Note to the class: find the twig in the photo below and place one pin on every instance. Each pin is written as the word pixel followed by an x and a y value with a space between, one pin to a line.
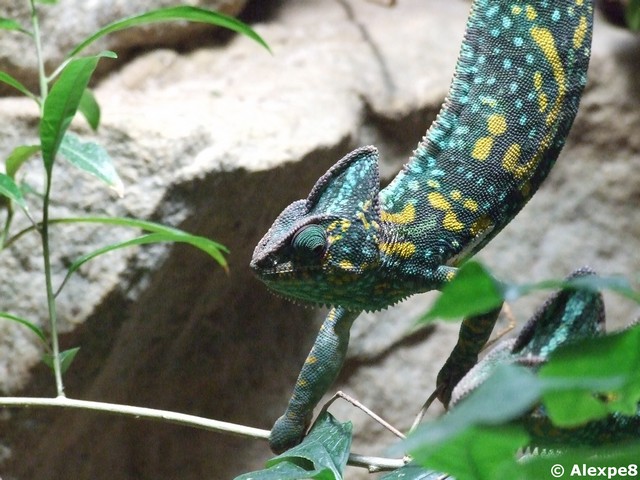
pixel 373 464
pixel 357 404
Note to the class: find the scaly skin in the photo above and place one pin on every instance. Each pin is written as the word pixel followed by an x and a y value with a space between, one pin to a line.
pixel 515 93
pixel 567 317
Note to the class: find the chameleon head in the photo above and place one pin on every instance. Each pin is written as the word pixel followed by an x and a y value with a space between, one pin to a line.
pixel 324 250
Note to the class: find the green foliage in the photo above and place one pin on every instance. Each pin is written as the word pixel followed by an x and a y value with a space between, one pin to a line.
pixel 322 455
pixel 573 386
pixel 632 15
pixel 475 291
pixel 62 95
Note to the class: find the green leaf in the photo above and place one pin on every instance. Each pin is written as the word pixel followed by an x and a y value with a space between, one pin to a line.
pixel 512 387
pixel 91 158
pixel 9 189
pixel 412 471
pixel 581 366
pixel 574 463
pixel 90 109
pixel 10 24
pixel 142 240
pixel 213 249
pixel 477 453
pixel 62 104
pixel 192 14
pixel 12 82
pixel 47 2
pixel 594 283
pixel 323 454
pixel 632 15
pixel 66 358
pixel 18 156
pixel 472 291
pixel 31 326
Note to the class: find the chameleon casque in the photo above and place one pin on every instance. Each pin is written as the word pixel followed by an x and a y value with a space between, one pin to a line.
pixel 515 92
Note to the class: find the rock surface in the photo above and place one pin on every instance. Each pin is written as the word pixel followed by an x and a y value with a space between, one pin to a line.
pixel 217 140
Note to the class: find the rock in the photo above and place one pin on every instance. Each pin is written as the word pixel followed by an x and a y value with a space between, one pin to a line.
pixel 67 23
pixel 217 141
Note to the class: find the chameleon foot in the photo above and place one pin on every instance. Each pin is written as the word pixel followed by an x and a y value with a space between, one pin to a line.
pixel 287 433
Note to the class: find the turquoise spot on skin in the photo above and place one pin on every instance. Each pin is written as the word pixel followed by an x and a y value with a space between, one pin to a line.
pixel 482 59
pixel 506 63
pixel 529 58
pixel 506 22
pixel 523 120
pixel 513 88
pixel 556 15
pixel 495 32
pixel 519 104
pixel 491 81
pixel 492 11
pixel 518 41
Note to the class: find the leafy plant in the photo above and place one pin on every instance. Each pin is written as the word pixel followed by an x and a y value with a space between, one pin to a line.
pixel 62 94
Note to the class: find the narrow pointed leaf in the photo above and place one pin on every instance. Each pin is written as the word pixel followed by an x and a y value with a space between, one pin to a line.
pixel 142 240
pixel 192 14
pixel 472 291
pixel 62 104
pixel 12 82
pixel 10 24
pixel 31 326
pixel 47 2
pixel 90 109
pixel 9 189
pixel 66 358
pixel 91 158
pixel 213 249
pixel 18 156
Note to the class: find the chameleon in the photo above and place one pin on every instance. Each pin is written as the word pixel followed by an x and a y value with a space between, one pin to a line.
pixel 566 317
pixel 355 247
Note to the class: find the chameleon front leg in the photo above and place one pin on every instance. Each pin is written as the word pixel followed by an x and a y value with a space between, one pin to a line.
pixel 318 373
pixel 474 334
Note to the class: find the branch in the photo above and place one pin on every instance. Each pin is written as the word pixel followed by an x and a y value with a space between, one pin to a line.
pixel 371 463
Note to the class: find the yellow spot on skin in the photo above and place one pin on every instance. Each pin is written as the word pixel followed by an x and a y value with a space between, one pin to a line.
pixel 497 124
pixel 581 30
pixel 481 225
pixel 579 2
pixel 451 222
pixel 433 183
pixel 470 204
pixel 456 195
pixel 438 201
pixel 407 215
pixel 544 39
pixel 398 249
pixel 516 10
pixel 531 13
pixel 511 158
pixel 450 275
pixel 537 80
pixel 311 360
pixel 301 383
pixel 543 101
pixel 364 221
pixel 482 148
pixel 346 265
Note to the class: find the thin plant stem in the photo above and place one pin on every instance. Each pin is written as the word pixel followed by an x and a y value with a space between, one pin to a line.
pixel 373 464
pixel 51 299
pixel 44 89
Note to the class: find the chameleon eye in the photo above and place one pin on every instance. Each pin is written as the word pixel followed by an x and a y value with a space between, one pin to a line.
pixel 310 239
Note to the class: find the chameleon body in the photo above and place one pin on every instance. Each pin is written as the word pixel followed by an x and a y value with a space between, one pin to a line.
pixel 567 317
pixel 351 246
